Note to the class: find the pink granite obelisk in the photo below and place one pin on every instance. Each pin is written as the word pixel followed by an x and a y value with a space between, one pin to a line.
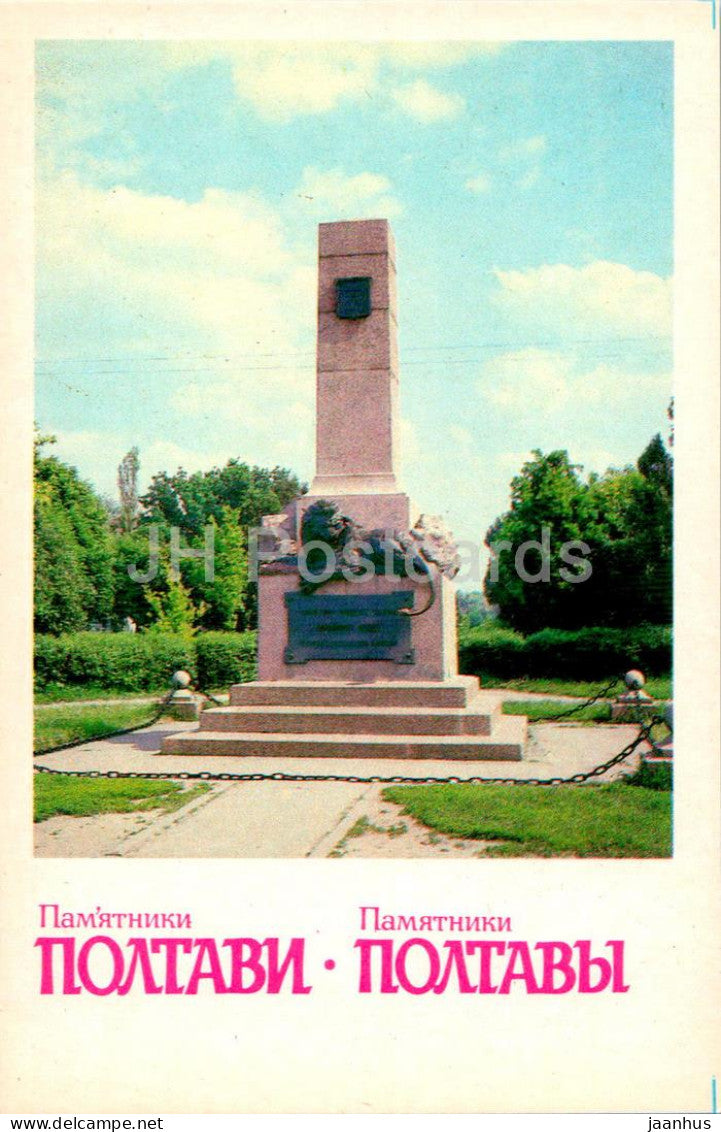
pixel 356 459
pixel 357 425
pixel 362 664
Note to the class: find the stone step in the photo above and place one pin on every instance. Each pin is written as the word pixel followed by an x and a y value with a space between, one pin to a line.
pixel 475 720
pixel 506 743
pixel 454 693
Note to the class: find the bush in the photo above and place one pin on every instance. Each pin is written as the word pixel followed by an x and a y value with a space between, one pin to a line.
pixel 595 653
pixel 143 662
pixel 127 662
pixel 225 658
pixel 490 648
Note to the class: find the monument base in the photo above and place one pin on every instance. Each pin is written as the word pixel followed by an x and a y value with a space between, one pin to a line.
pixel 433 632
pixel 449 719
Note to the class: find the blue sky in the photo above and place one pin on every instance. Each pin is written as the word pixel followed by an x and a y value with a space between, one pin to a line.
pixel 529 186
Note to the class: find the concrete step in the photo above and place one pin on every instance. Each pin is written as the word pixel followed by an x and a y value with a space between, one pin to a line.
pixel 454 693
pixel 475 720
pixel 506 743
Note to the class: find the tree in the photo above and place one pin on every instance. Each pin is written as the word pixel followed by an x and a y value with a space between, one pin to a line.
pixel 174 611
pixel 73 548
pixel 528 577
pixel 224 595
pixel 190 501
pixel 651 518
pixel 128 489
pixel 231 499
pixel 625 517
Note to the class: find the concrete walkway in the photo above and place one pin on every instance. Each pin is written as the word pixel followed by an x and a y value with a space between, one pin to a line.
pixel 296 819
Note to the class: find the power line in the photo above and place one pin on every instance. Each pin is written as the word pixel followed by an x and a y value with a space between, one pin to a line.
pixel 226 357
pixel 309 368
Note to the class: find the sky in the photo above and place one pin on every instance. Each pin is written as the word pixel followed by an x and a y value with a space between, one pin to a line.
pixel 530 191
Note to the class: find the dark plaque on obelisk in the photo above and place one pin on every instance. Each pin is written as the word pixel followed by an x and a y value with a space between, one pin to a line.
pixel 349 627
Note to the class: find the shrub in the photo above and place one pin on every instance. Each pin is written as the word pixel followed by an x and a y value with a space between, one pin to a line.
pixel 143 662
pixel 490 648
pixel 594 653
pixel 128 662
pixel 225 658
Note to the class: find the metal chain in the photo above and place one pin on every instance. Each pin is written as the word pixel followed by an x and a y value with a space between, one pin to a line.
pixel 586 703
pixel 282 776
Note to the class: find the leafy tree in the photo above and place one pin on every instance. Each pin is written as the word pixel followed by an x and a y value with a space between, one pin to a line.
pixel 132 552
pixel 174 611
pixel 223 596
pixel 62 591
pixel 528 578
pixel 651 518
pixel 73 548
pixel 472 608
pixel 191 501
pixel 231 499
pixel 624 518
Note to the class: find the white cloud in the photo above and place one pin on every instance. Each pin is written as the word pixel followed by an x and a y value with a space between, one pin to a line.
pixel 522 381
pixel 597 300
pixel 268 413
pixel 287 80
pixel 332 193
pixel 524 149
pixel 426 103
pixel 481 183
pixel 281 80
pixel 123 267
pixel 96 455
pixel 211 285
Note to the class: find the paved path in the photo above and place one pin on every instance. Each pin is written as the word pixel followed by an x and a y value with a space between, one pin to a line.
pixel 287 819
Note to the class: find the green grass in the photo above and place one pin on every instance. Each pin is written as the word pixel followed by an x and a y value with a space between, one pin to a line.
pixel 54 726
pixel 660 687
pixel 83 797
pixel 611 820
pixel 538 710
pixel 652 776
pixel 76 693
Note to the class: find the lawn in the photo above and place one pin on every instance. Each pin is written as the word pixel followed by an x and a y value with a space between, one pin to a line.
pixel 610 820
pixel 77 693
pixel 82 797
pixel 57 693
pixel 538 710
pixel 63 724
pixel 660 687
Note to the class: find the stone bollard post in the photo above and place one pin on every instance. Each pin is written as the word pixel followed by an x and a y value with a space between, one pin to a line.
pixel 184 704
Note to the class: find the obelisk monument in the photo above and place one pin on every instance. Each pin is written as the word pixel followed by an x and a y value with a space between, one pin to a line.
pixel 357 657
pixel 357 413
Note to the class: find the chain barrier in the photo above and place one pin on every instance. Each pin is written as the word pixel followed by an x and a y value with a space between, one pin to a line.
pixel 586 703
pixel 644 735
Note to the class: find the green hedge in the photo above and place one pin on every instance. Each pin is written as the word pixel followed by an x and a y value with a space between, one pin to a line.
pixel 142 662
pixel 582 654
pixel 225 658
